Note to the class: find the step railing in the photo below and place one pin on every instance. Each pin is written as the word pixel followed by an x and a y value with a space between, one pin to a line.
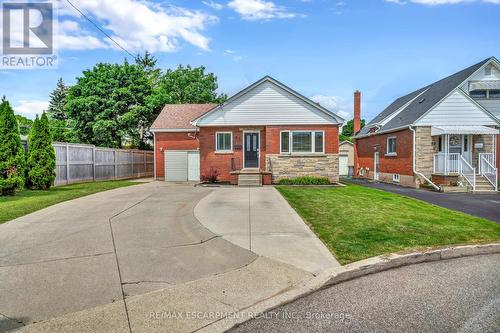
pixel 488 171
pixel 467 172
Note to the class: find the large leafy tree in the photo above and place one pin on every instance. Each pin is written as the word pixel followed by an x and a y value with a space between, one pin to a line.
pixel 348 130
pixel 12 161
pixel 24 124
pixel 108 105
pixel 41 164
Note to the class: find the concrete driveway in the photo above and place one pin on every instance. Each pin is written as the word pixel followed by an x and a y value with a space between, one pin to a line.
pixel 481 205
pixel 261 220
pixel 106 261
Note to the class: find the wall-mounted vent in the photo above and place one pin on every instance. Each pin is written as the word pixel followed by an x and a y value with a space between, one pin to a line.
pixel 396 178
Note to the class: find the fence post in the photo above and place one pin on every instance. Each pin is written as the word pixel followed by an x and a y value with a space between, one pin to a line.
pixel 93 163
pixel 115 152
pixel 145 164
pixel 67 164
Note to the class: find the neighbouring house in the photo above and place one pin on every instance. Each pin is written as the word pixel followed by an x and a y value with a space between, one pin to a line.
pixel 264 133
pixel 444 134
pixel 346 158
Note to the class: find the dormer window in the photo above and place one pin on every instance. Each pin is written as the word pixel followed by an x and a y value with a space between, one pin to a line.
pixel 478 93
pixel 494 94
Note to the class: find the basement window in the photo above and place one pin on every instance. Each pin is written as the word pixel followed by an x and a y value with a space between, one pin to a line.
pixel 396 178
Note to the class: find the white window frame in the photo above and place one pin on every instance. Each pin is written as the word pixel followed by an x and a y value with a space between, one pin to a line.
pixel 394 153
pixel 396 178
pixel 313 142
pixel 217 143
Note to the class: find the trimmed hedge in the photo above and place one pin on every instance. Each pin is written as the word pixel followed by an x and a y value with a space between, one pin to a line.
pixel 305 180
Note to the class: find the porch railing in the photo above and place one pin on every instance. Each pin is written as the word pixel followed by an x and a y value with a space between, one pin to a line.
pixel 447 163
pixel 487 169
pixel 468 172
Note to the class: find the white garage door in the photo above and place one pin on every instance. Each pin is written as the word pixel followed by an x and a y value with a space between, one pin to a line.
pixel 343 168
pixel 181 165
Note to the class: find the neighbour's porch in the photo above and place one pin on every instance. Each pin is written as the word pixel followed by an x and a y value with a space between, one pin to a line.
pixel 468 152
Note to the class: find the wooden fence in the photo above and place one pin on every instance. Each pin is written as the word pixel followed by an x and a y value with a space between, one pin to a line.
pixel 83 163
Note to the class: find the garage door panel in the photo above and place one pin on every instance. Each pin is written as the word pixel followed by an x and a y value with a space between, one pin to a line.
pixel 176 166
pixel 343 167
pixel 194 166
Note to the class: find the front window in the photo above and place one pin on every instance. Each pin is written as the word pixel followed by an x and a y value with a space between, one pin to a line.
pixel 305 142
pixel 224 141
pixel 391 146
pixel 478 94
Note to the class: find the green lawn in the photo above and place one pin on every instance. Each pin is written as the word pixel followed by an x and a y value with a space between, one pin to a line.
pixel 28 201
pixel 356 222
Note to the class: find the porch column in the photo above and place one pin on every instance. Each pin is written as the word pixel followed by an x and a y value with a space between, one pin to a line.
pixel 446 149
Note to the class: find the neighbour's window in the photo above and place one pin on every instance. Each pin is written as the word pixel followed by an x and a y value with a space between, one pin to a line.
pixel 478 93
pixel 285 142
pixel 494 93
pixel 224 141
pixel 391 145
pixel 302 142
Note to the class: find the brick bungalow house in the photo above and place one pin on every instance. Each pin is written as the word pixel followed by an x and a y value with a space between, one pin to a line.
pixel 265 132
pixel 444 134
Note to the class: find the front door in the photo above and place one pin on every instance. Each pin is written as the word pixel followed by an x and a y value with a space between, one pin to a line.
pixel 375 165
pixel 251 149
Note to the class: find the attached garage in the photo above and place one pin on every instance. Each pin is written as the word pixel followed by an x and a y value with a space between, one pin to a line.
pixel 182 165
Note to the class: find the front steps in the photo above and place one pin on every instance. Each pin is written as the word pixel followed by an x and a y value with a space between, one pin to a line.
pixel 483 185
pixel 249 178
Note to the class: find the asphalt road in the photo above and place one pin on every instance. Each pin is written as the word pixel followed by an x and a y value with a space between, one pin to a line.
pixel 459 295
pixel 481 205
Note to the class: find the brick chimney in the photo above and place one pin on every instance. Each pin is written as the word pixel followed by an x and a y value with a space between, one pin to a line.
pixel 357 111
pixel 357 127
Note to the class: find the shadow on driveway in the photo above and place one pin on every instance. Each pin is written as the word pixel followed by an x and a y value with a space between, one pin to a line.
pixel 482 205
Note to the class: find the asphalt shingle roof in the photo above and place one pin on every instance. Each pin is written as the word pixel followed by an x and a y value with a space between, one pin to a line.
pixel 431 95
pixel 179 116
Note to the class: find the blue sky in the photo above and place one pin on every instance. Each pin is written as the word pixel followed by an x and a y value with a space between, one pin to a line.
pixel 323 49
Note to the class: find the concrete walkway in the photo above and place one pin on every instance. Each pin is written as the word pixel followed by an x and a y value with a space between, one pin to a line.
pixel 260 220
pixel 111 261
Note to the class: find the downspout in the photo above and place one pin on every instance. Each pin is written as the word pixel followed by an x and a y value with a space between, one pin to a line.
pixel 415 162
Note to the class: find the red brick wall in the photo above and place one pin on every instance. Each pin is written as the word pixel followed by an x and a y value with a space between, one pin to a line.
pixel 331 137
pixel 269 144
pixel 498 155
pixel 401 164
pixel 172 141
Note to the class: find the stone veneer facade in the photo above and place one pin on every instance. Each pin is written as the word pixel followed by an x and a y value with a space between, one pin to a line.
pixel 425 148
pixel 290 166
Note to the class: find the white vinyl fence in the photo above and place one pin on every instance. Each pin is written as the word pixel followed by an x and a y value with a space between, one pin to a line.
pixel 83 163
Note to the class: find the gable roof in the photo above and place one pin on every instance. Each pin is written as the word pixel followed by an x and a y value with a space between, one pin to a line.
pixel 428 97
pixel 275 82
pixel 179 116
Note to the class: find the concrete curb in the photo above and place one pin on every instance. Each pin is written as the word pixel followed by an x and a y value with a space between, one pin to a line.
pixel 351 271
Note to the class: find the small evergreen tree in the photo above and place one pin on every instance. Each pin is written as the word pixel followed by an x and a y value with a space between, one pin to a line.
pixel 41 155
pixel 12 161
pixel 58 101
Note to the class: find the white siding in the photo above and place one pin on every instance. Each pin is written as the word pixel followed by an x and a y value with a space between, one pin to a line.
pixel 480 76
pixel 492 105
pixel 456 109
pixel 266 104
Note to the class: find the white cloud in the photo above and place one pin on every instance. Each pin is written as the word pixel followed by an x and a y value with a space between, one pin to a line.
pixel 255 10
pixel 135 24
pixel 441 2
pixel 30 108
pixel 213 4
pixel 335 104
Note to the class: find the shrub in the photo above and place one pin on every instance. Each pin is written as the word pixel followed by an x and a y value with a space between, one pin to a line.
pixel 305 180
pixel 41 155
pixel 211 176
pixel 11 152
